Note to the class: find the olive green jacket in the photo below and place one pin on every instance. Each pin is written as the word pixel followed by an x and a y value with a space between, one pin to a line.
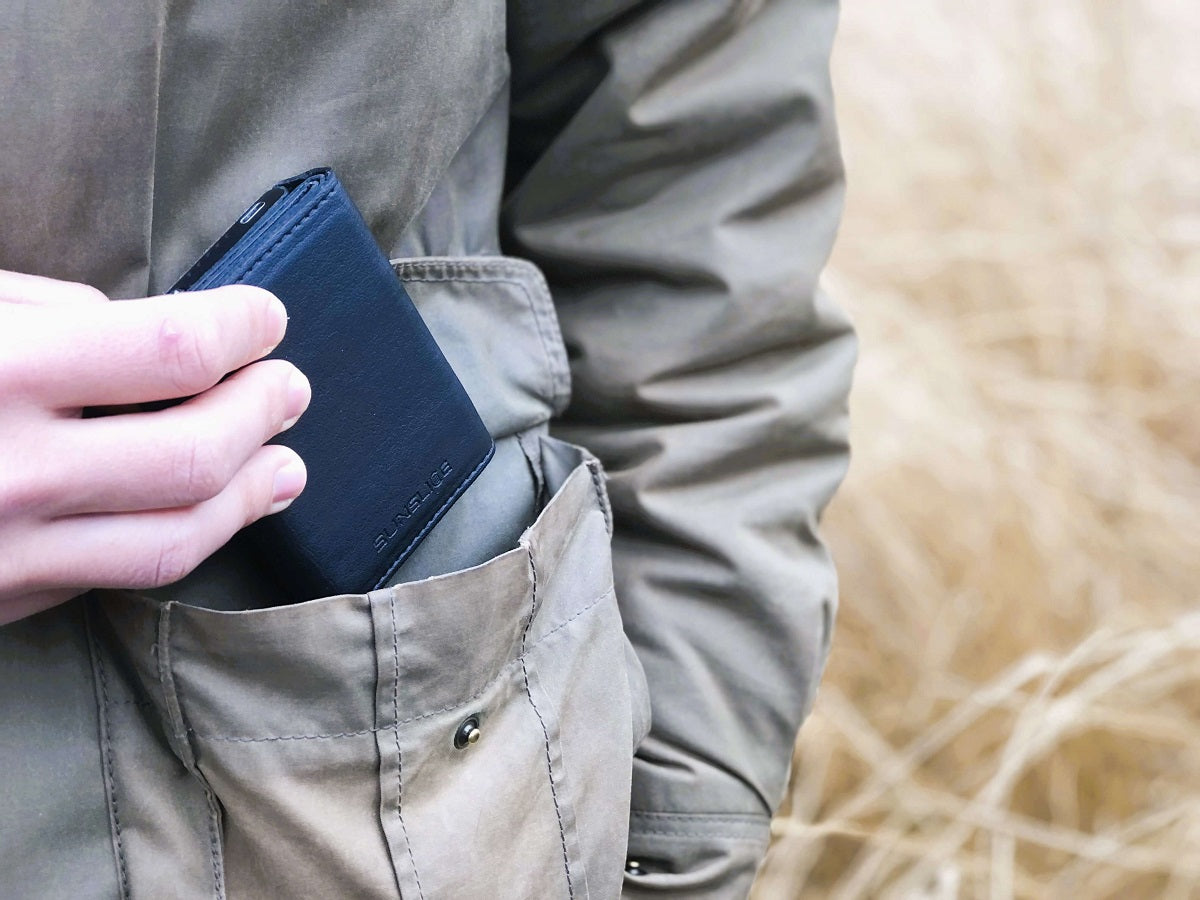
pixel 612 214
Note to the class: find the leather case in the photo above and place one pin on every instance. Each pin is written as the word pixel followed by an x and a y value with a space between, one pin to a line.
pixel 391 438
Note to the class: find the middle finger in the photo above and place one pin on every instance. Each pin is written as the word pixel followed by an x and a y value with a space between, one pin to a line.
pixel 178 456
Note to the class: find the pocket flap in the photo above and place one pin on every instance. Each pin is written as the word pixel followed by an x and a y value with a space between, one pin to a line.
pixel 495 321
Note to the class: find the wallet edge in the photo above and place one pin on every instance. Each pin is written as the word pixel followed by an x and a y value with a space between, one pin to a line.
pixel 437 515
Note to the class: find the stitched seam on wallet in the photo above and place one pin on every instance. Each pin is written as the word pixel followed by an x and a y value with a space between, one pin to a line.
pixel 399 753
pixel 458 271
pixel 283 237
pixel 562 835
pixel 508 667
pixel 433 520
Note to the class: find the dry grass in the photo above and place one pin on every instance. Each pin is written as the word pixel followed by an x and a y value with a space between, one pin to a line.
pixel 1012 708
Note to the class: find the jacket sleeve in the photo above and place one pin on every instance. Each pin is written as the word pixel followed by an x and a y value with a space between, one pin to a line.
pixel 674 171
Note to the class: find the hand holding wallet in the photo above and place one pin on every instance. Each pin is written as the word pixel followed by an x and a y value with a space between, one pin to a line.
pixel 390 438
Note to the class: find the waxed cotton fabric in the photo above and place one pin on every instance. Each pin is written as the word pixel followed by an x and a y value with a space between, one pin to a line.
pixel 614 213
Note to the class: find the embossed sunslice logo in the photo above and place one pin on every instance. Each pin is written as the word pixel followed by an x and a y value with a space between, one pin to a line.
pixel 424 491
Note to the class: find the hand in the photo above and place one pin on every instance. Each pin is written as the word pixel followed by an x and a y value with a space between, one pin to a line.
pixel 135 499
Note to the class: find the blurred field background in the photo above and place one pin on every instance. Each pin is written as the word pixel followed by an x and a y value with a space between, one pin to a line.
pixel 1012 706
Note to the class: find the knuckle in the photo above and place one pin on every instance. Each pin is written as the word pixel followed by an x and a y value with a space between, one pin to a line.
pixel 86 293
pixel 200 470
pixel 173 558
pixel 29 568
pixel 17 578
pixel 20 494
pixel 190 354
pixel 20 340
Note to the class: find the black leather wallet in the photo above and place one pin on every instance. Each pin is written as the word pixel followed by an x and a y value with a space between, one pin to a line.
pixel 391 438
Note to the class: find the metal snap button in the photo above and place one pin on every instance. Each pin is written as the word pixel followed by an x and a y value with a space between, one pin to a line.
pixel 633 867
pixel 467 733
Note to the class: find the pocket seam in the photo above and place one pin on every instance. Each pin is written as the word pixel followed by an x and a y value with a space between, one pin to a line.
pixel 562 834
pixel 501 673
pixel 399 753
pixel 100 679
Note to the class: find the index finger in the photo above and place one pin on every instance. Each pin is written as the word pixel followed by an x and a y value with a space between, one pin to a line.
pixel 38 290
pixel 138 351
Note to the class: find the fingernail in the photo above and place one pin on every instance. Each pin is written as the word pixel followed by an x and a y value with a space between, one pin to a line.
pixel 279 320
pixel 289 482
pixel 299 392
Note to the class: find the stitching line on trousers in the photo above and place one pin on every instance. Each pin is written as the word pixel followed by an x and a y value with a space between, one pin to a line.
pixel 214 841
pixel 399 754
pixel 562 836
pixel 601 495
pixel 170 692
pixel 180 731
pixel 508 667
pixel 110 777
pixel 688 835
pixel 747 818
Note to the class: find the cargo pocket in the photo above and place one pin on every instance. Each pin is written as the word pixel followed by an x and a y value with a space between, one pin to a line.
pixel 517 782
pixel 460 733
pixel 507 773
